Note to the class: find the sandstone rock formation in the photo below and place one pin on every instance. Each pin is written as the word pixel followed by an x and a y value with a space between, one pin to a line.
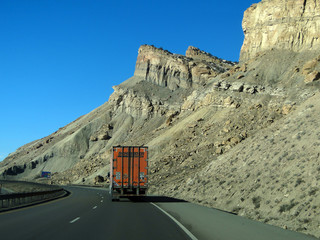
pixel 240 137
pixel 177 71
pixel 281 24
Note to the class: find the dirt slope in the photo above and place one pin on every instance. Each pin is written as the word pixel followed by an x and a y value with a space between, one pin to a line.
pixel 242 136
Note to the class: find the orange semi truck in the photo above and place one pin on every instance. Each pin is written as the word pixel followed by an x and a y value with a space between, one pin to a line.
pixel 128 172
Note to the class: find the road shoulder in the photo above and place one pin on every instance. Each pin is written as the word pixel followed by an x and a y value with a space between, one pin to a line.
pixel 208 223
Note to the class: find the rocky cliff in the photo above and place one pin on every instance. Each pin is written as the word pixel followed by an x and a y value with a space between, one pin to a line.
pixel 147 95
pixel 239 137
pixel 281 24
pixel 177 71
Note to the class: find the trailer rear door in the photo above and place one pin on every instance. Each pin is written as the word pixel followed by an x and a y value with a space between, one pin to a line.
pixel 130 167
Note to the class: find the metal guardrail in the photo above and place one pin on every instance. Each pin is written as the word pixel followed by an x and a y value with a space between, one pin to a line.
pixel 12 200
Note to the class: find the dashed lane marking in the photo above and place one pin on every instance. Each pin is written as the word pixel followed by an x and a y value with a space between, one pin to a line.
pixel 94 207
pixel 74 220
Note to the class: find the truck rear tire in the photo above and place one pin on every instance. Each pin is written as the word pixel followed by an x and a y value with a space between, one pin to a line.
pixel 113 198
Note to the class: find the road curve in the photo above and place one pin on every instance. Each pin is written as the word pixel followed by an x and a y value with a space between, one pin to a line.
pixel 89 214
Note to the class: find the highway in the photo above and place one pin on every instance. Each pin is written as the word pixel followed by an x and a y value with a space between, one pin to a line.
pixel 88 213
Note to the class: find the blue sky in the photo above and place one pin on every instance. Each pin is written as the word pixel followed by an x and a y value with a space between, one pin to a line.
pixel 60 58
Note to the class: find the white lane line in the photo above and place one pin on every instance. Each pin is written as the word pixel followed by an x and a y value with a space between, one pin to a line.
pixel 74 220
pixel 177 222
pixel 101 200
pixel 94 207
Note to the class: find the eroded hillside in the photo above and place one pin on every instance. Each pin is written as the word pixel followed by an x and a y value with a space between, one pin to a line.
pixel 160 84
pixel 241 137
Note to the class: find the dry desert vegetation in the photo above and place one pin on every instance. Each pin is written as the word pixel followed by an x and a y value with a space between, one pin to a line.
pixel 241 137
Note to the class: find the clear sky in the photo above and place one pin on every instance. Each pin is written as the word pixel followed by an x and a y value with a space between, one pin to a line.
pixel 60 58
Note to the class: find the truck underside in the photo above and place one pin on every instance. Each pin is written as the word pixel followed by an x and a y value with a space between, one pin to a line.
pixel 117 193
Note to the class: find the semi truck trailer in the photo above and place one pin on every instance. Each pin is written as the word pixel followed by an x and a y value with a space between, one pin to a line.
pixel 128 172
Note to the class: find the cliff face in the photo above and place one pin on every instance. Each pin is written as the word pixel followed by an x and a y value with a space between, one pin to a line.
pixel 239 137
pixel 177 71
pixel 281 24
pixel 147 95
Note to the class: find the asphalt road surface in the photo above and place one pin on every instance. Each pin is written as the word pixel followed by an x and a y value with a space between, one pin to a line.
pixel 89 214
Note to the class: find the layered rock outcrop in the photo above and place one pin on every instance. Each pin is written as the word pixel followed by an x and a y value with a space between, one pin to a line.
pixel 281 24
pixel 177 71
pixel 163 68
pixel 243 141
pixel 135 104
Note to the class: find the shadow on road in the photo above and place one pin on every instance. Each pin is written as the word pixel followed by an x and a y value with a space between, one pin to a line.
pixel 154 199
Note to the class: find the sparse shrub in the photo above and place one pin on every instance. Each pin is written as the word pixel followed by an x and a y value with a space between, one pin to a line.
pixel 287 207
pixel 299 181
pixel 283 155
pixel 313 191
pixel 266 220
pixel 302 196
pixel 236 209
pixel 222 182
pixel 306 220
pixel 256 186
pixel 256 202
pixel 316 144
pixel 292 157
